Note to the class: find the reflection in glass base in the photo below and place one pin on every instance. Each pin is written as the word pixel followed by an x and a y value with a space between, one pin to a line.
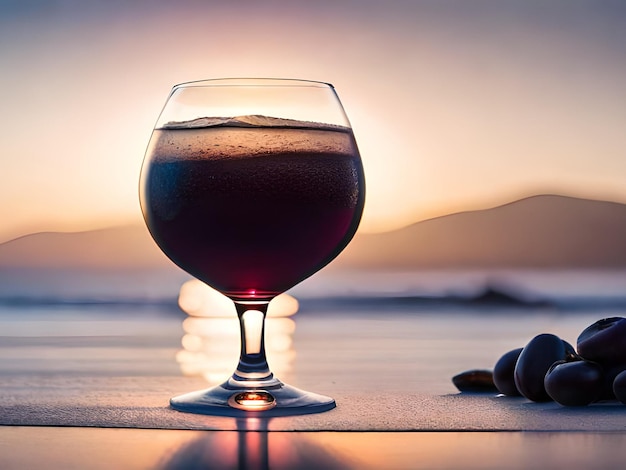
pixel 275 400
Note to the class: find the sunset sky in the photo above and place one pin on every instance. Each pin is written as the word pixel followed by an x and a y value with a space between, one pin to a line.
pixel 456 104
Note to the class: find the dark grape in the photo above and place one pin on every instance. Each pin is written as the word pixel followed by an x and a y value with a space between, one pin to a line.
pixel 604 342
pixel 475 380
pixel 503 373
pixel 549 368
pixel 534 362
pixel 576 383
pixel 619 386
pixel 610 373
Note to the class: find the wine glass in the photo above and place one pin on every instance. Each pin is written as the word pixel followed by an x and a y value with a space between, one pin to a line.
pixel 251 186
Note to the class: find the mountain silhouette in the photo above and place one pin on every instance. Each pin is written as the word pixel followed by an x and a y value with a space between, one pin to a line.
pixel 544 231
pixel 124 247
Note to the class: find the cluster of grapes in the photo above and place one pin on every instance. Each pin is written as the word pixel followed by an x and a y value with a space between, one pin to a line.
pixel 548 368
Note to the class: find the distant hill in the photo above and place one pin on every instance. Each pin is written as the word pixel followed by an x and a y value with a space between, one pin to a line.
pixel 119 264
pixel 540 231
pixel 126 247
pixel 537 232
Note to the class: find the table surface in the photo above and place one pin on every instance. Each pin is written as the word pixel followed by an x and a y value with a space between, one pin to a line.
pixel 101 377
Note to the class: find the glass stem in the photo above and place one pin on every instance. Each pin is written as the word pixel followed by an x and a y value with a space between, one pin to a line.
pixel 252 361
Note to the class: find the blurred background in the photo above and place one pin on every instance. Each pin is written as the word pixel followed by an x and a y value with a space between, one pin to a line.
pixel 492 135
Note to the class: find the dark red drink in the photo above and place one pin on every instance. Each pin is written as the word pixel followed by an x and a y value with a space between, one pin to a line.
pixel 254 210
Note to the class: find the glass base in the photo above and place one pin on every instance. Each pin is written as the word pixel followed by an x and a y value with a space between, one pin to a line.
pixel 260 400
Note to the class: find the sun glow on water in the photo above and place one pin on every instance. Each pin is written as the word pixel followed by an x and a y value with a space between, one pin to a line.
pixel 211 343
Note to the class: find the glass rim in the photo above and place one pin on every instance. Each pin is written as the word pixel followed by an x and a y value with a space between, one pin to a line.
pixel 254 82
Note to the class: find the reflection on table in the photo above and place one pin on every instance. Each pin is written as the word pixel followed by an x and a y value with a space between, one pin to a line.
pixel 252 448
